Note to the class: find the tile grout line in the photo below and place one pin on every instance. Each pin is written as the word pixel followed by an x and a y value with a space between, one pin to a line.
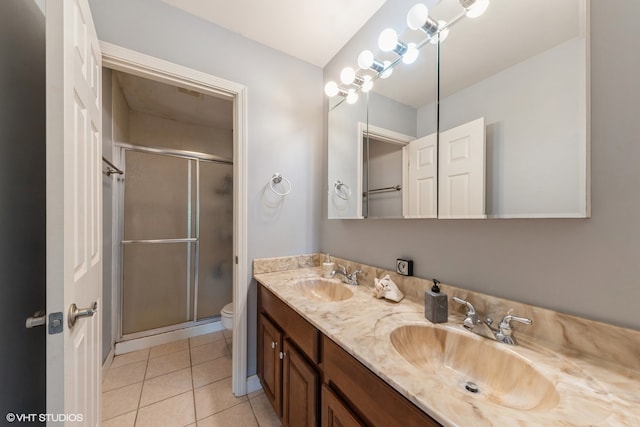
pixel 193 386
pixel 135 421
pixel 255 416
pixel 224 341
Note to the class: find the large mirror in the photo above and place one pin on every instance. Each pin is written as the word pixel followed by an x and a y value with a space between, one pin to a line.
pixel 347 122
pixel 513 119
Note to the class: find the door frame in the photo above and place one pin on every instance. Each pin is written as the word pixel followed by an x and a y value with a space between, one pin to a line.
pixel 139 64
pixel 383 135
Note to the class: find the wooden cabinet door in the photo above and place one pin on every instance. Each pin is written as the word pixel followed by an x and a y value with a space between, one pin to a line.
pixel 269 363
pixel 335 413
pixel 300 390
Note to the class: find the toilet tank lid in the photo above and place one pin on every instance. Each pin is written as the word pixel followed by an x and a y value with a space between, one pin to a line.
pixel 228 309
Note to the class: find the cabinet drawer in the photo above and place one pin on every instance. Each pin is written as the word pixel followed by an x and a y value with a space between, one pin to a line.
pixel 370 397
pixel 303 333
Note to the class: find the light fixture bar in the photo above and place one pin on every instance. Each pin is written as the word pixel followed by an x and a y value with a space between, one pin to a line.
pixel 417 19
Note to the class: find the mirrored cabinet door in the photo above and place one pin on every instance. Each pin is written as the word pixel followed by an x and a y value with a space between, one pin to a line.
pixel 490 120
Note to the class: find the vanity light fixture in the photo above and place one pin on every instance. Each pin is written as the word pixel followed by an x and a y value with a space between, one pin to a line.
pixel 411 54
pixel 474 8
pixel 367 83
pixel 366 61
pixel 352 96
pixel 418 18
pixel 332 89
pixel 388 41
pixel 348 76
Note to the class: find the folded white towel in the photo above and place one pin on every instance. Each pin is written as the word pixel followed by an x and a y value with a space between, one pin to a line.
pixel 385 288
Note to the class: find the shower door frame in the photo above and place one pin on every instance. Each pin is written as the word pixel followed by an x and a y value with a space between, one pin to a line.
pixel 139 64
pixel 197 157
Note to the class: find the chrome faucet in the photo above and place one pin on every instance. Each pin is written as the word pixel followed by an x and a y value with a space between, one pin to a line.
pixel 471 319
pixel 348 278
pixel 505 333
pixel 482 327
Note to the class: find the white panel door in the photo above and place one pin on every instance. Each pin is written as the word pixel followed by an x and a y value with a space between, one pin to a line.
pixel 462 171
pixel 74 207
pixel 421 181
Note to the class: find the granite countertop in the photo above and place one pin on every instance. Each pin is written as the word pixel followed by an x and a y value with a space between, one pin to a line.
pixel 588 390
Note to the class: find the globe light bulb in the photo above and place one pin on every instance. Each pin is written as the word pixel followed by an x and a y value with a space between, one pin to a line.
pixel 411 54
pixel 367 84
pixel 347 75
pixel 388 40
pixel 417 16
pixel 331 89
pixel 365 59
pixel 478 8
pixel 352 97
pixel 387 70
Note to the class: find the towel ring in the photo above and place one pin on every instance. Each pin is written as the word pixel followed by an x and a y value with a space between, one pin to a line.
pixel 339 192
pixel 277 179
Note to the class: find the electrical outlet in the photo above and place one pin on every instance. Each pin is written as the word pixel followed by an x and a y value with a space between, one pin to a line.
pixel 404 267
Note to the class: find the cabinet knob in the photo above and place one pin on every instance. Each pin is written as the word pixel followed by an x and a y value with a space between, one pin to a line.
pixel 283 355
pixel 273 344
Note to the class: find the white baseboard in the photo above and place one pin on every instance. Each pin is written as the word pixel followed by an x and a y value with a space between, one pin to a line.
pixel 166 337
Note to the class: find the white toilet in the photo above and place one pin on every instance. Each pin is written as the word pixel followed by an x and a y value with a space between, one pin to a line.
pixel 226 316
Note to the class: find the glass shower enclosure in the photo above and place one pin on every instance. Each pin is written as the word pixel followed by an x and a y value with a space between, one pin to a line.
pixel 177 239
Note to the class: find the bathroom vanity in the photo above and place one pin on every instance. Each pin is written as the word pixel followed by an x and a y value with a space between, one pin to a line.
pixel 293 357
pixel 333 354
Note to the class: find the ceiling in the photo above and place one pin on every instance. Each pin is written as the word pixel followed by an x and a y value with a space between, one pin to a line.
pixel 311 30
pixel 171 102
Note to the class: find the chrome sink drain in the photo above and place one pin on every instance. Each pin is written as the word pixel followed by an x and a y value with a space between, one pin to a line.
pixel 471 387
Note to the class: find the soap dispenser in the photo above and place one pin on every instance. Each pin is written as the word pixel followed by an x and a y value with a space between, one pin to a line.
pixel 327 267
pixel 436 308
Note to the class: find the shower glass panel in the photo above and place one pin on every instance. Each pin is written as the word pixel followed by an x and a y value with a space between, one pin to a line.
pixel 215 267
pixel 158 195
pixel 177 246
pixel 159 241
pixel 154 286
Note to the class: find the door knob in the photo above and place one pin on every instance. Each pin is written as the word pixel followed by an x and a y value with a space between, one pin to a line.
pixel 39 318
pixel 75 313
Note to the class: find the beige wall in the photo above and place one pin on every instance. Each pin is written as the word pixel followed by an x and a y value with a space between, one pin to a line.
pixel 154 131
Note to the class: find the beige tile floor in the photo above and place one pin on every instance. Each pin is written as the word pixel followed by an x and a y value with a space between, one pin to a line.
pixel 183 383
